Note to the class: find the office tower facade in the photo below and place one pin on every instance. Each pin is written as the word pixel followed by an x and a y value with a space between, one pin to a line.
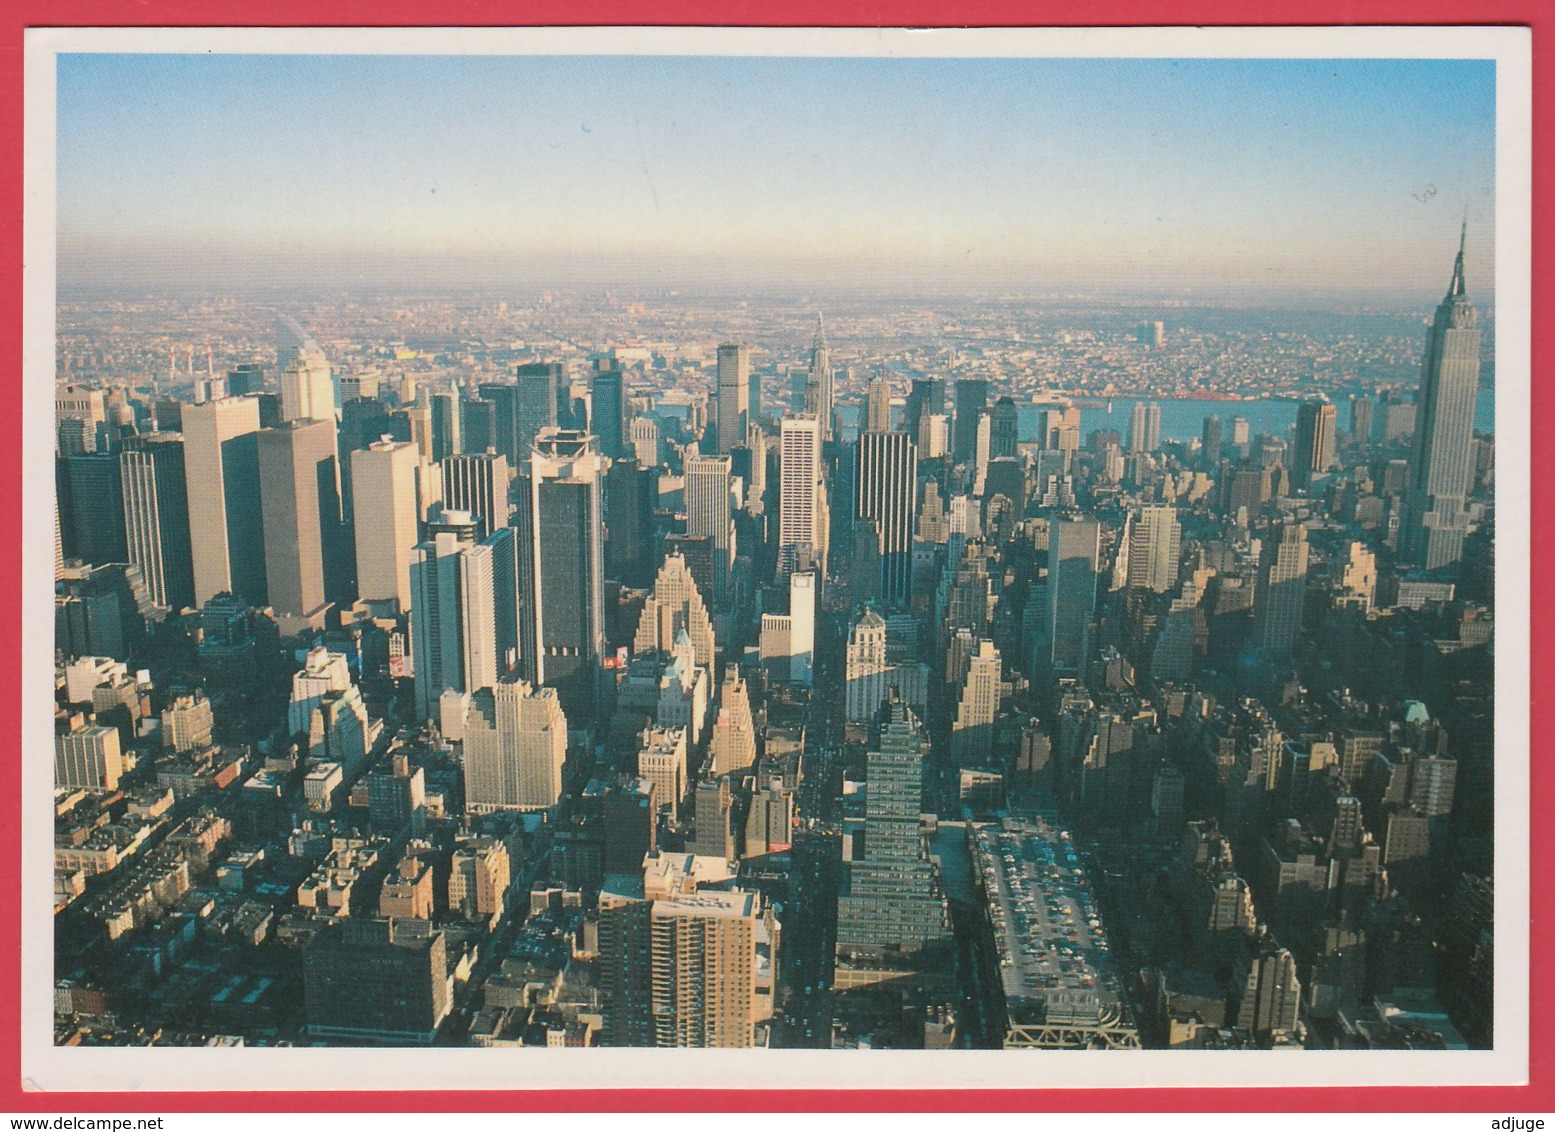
pixel 1282 584
pixel 87 758
pixel 1004 438
pixel 1360 420
pixel 91 503
pixel 478 484
pixel 885 495
pixel 226 521
pixel 453 619
pixel 561 569
pixel 447 426
pixel 1209 451
pixel 802 600
pixel 704 970
pixel 322 672
pixel 1144 429
pixel 1316 423
pixel 877 405
pixel 384 480
pixel 1441 466
pixel 1074 553
pixel 675 606
pixel 156 518
pixel 477 425
pixel 710 514
pixel 819 385
pixel 307 389
pixel 971 733
pixel 866 670
pixel 802 516
pixel 377 980
pixel 1154 545
pixel 298 489
pixel 892 904
pixel 646 444
pixel 661 759
pixel 607 418
pixel 515 745
pixel 630 494
pixel 733 746
pixel 971 395
pixel 734 408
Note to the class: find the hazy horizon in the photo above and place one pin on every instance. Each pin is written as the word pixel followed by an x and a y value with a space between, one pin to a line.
pixel 1226 180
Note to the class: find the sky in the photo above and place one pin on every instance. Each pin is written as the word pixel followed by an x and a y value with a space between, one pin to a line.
pixel 1202 177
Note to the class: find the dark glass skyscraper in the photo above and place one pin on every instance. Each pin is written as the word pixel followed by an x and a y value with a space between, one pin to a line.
pixel 156 517
pixel 885 495
pixel 971 400
pixel 1441 467
pixel 608 423
pixel 561 568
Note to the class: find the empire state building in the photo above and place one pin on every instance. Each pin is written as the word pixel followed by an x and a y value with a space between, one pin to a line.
pixel 1441 467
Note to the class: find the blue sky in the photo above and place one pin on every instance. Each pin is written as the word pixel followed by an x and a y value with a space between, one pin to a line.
pixel 1203 174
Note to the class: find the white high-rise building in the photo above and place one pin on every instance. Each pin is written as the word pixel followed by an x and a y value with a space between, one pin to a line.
pixel 307 390
pixel 710 515
pixel 1154 544
pixel 802 494
pixel 661 759
pixel 226 531
pixel 384 482
pixel 867 671
pixel 87 758
pixel 515 744
pixel 322 672
pixel 801 627
pixel 453 623
pixel 819 386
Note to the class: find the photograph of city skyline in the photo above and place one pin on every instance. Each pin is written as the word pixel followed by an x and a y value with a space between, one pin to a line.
pixel 781 552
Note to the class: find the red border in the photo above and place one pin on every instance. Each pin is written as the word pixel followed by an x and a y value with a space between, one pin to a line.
pixel 1536 1097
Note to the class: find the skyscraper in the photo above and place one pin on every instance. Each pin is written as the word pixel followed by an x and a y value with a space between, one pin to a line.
pixel 709 514
pixel 675 606
pixel 733 746
pixel 1210 455
pixel 630 493
pixel 1074 552
pixel 802 519
pixel 891 905
pixel 734 363
pixel 1154 542
pixel 704 969
pixel 971 395
pixel 1004 440
pixel 384 479
pixel 866 671
pixel 561 577
pixel 298 489
pixel 453 625
pixel 226 524
pixel 877 405
pixel 543 401
pixel 515 744
pixel 818 387
pixel 1144 429
pixel 447 426
pixel 971 734
pixel 1441 467
pixel 801 627
pixel 607 419
pixel 478 484
pixel 1316 422
pixel 91 501
pixel 1282 584
pixel 156 518
pixel 885 495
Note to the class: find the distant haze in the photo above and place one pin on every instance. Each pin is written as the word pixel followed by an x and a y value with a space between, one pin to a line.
pixel 1266 180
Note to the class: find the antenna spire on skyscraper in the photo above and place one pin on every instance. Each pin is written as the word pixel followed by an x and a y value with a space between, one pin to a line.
pixel 820 332
pixel 1459 287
